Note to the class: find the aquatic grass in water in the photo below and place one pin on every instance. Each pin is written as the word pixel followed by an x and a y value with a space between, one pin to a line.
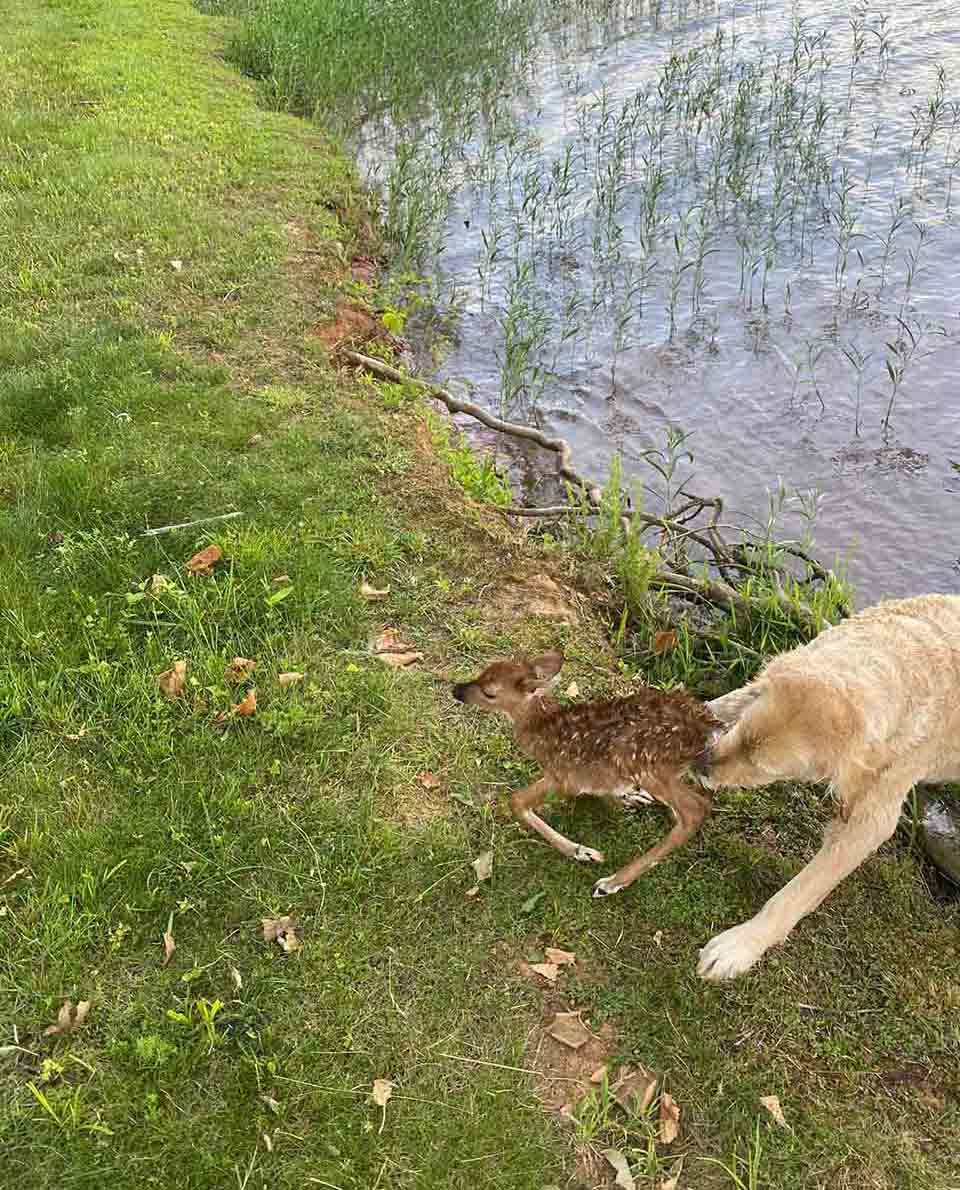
pixel 617 189
pixel 350 60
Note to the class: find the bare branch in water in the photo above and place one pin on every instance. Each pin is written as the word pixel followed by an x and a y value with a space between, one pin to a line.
pixel 676 525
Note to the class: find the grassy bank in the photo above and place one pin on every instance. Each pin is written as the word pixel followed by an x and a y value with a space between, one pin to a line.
pixel 171 256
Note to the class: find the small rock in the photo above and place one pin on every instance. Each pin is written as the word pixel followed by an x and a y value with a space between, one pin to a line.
pixel 940 834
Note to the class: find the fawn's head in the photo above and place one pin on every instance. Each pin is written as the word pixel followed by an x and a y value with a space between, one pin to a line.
pixel 509 686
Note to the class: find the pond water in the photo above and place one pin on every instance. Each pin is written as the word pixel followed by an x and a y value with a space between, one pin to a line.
pixel 740 220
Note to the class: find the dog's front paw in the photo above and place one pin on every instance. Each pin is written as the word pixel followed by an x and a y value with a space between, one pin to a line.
pixel 587 855
pixel 606 887
pixel 731 953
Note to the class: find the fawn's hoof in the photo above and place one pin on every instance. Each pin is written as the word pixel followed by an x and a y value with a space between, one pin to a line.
pixel 633 797
pixel 606 887
pixel 587 855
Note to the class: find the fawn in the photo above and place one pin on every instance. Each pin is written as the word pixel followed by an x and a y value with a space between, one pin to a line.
pixel 633 750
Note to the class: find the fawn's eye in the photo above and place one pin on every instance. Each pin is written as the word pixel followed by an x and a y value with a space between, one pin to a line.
pixel 488 694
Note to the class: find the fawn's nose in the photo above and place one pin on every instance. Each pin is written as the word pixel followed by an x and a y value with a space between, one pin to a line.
pixel 459 691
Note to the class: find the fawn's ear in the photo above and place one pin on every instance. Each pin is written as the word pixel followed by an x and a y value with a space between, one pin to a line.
pixel 544 669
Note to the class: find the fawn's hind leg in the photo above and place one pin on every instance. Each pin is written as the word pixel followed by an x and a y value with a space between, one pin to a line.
pixel 689 808
pixel 524 803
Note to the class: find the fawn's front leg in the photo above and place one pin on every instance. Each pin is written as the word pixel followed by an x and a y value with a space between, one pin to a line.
pixel 525 801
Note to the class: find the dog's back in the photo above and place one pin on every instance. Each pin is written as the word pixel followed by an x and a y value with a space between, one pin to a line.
pixel 868 692
pixel 891 679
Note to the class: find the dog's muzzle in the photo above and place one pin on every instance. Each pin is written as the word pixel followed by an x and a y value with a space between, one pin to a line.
pixel 459 691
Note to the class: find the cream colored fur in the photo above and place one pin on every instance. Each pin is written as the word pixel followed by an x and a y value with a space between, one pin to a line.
pixel 871 706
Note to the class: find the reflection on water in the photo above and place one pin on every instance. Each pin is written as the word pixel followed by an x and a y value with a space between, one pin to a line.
pixel 711 216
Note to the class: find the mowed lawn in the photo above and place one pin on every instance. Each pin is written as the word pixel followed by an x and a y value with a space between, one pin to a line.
pixel 168 250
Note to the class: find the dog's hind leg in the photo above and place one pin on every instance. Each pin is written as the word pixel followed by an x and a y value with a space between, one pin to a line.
pixel 847 843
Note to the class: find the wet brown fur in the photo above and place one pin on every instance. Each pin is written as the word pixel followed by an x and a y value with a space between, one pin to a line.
pixel 631 749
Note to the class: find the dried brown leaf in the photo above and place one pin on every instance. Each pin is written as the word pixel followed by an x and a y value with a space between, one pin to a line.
pixel 399 660
pixel 248 704
pixel 64 1020
pixel 373 593
pixel 562 958
pixel 619 1163
pixel 271 1103
pixel 429 780
pixel 772 1104
pixel 68 1018
pixel 669 1119
pixel 281 580
pixel 483 866
pixel 572 690
pixel 169 946
pixel 658 938
pixel 172 681
pixel 635 1089
pixel 202 563
pixel 472 892
pixel 663 642
pixel 272 926
pixel 390 641
pixel 390 648
pixel 239 669
pixel 290 679
pixel 382 1090
pixel 237 978
pixel 569 1030
pixel 599 1074
pixel 547 971
pixel 281 930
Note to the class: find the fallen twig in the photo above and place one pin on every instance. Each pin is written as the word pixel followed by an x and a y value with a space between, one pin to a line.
pixel 204 520
pixel 716 591
pixel 553 510
pixel 559 446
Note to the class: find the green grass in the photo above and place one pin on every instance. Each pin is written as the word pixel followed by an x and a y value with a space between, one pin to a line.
pixel 346 59
pixel 134 393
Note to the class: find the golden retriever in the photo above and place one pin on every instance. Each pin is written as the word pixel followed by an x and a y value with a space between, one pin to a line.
pixel 871 706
